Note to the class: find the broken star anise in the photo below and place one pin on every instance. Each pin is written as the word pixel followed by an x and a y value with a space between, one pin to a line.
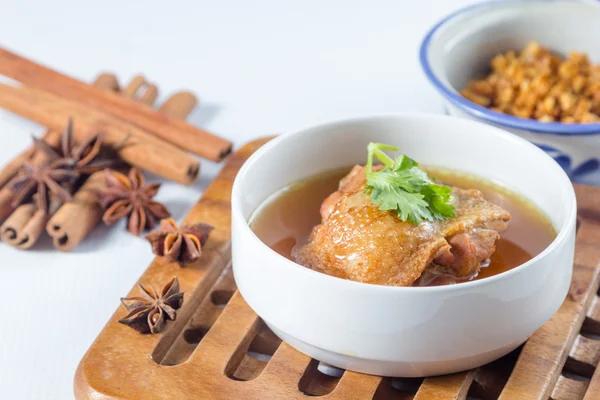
pixel 183 244
pixel 126 196
pixel 148 313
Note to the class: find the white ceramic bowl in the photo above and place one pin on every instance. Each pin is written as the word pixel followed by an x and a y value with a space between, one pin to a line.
pixel 403 331
pixel 460 47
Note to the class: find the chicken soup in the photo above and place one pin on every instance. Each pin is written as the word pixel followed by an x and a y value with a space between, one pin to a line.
pixel 334 223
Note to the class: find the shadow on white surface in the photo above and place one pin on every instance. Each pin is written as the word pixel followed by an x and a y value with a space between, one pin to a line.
pixel 98 239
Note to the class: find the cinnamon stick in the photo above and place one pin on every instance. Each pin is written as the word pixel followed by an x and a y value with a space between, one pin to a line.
pixel 6 198
pixel 134 87
pixel 177 132
pixel 179 105
pixel 77 218
pixel 24 226
pixel 140 90
pixel 17 220
pixel 104 81
pixel 135 146
pixel 151 92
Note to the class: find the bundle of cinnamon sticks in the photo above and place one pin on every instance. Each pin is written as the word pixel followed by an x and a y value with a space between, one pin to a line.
pixel 147 138
pixel 152 140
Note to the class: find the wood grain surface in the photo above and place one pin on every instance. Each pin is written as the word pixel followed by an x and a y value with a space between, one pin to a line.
pixel 218 348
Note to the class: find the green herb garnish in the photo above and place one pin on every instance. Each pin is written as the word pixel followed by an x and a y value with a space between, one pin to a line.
pixel 403 187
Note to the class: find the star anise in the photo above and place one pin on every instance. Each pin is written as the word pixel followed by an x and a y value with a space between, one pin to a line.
pixel 42 180
pixel 183 245
pixel 148 313
pixel 126 196
pixel 59 170
pixel 82 157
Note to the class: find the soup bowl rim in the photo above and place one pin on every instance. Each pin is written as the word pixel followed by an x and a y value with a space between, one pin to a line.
pixel 561 238
pixel 484 113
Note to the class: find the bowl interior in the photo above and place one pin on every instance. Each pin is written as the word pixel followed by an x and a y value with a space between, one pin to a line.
pixel 463 145
pixel 464 44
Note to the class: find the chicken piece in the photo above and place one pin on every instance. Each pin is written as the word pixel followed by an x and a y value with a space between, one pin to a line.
pixel 352 182
pixel 358 241
pixel 467 252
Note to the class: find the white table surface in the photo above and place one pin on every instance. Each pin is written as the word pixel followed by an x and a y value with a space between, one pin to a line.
pixel 259 67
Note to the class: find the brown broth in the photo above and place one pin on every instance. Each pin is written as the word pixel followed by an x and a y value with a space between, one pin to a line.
pixel 287 218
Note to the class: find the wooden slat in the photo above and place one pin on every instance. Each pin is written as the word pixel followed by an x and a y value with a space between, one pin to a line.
pixel 248 369
pixel 593 391
pixel 354 385
pixel 584 356
pixel 286 368
pixel 261 349
pixel 226 344
pixel 455 387
pixel 544 354
pixel 569 389
pixel 592 322
pixel 594 310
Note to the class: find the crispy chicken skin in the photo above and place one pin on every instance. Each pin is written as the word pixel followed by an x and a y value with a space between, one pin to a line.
pixel 357 241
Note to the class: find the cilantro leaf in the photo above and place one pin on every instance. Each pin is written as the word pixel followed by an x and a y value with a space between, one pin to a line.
pixel 438 197
pixel 404 162
pixel 402 187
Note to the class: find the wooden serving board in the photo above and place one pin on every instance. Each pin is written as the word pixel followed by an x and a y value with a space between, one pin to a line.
pixel 218 348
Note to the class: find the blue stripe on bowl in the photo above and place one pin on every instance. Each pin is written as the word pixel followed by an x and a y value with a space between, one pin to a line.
pixel 580 173
pixel 478 111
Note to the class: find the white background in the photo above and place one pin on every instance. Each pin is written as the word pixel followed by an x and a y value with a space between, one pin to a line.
pixel 259 67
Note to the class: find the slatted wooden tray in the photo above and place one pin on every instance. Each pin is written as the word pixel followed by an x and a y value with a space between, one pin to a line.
pixel 218 348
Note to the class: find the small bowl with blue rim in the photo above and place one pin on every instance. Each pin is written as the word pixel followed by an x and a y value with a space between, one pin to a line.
pixel 460 47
